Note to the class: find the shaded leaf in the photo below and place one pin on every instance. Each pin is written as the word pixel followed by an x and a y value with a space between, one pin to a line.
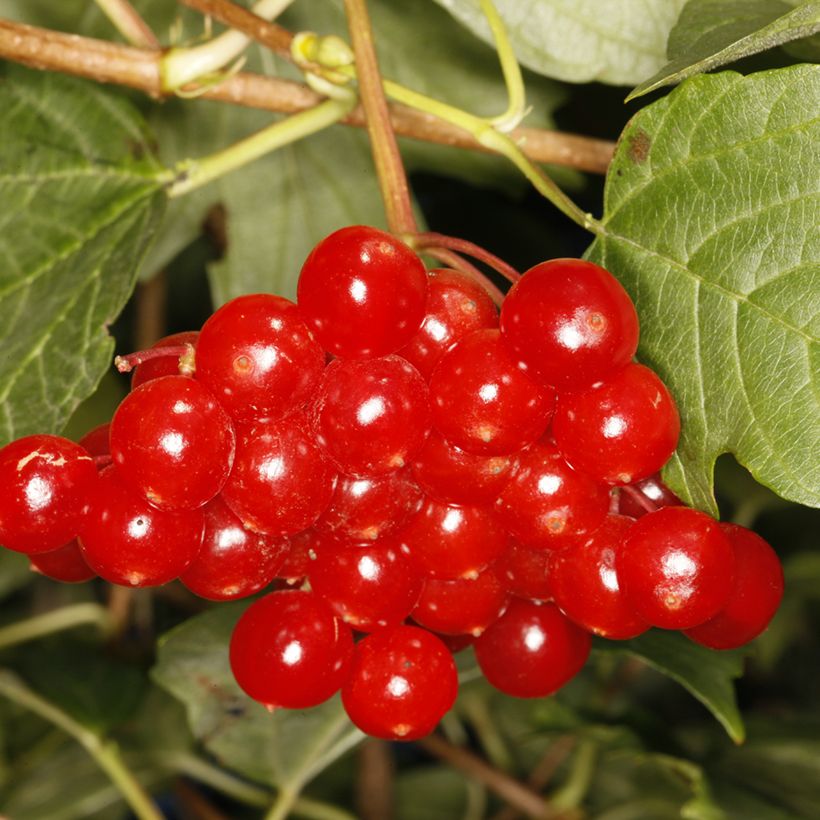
pixel 80 202
pixel 711 214
pixel 707 674
pixel 614 41
pixel 711 33
pixel 286 748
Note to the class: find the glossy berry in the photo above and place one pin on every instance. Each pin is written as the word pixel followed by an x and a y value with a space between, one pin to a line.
pixel 173 443
pixel 362 292
pixel 369 585
pixel 295 566
pixel 525 572
pixel 584 582
pixel 754 597
pixel 531 650
pixel 456 305
pixel 97 441
pixel 467 605
pixel 65 564
pixel 164 365
pixel 482 402
pixel 371 416
pixel 569 323
pixel 289 649
pixel 451 542
pixel 619 430
pixel 44 488
pixel 449 474
pixel 364 509
pixel 281 481
pixel 257 356
pixel 127 541
pixel 233 561
pixel 676 568
pixel 646 495
pixel 402 682
pixel 547 504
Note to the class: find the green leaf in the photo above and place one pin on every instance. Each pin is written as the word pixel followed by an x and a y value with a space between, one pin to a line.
pixel 285 749
pixel 613 41
pixel 707 674
pixel 80 199
pixel 711 214
pixel 711 33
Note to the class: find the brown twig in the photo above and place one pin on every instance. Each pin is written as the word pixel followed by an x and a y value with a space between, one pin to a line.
pixel 107 62
pixel 374 782
pixel 389 166
pixel 507 788
pixel 270 35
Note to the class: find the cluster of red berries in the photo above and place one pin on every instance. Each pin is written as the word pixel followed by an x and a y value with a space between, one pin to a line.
pixel 439 475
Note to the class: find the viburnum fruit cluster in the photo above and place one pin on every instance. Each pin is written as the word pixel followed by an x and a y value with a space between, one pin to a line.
pixel 414 468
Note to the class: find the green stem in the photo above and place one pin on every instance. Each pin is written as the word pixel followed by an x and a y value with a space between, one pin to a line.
pixel 316 810
pixel 56 621
pixel 191 174
pixel 180 66
pixel 105 752
pixel 574 790
pixel 517 102
pixel 283 804
pixel 389 167
pixel 216 778
pixel 127 21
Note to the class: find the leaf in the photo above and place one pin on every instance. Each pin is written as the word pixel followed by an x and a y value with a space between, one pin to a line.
pixel 711 214
pixel 286 748
pixel 613 41
pixel 81 200
pixel 711 33
pixel 707 674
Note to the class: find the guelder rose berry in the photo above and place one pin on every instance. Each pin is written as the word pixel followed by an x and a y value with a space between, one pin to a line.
pixel 570 323
pixel 362 292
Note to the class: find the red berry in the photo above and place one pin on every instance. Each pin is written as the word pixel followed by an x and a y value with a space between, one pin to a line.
pixel 371 416
pixel 754 597
pixel 676 568
pixel 449 474
pixel 233 562
pixel 257 356
pixel 97 441
pixel 369 585
pixel 467 605
pixel 456 305
pixel 646 495
pixel 531 650
pixel 294 568
pixel 364 509
pixel 165 365
pixel 288 649
pixel 452 542
pixel 547 504
pixel 570 323
pixel 44 486
pixel 173 443
pixel 127 541
pixel 525 572
pixel 619 430
pixel 482 402
pixel 584 581
pixel 65 564
pixel 362 292
pixel 402 682
pixel 281 480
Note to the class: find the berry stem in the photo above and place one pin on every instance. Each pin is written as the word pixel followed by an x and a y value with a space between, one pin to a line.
pixel 517 103
pixel 125 364
pixel 180 66
pixel 105 752
pixel 639 498
pixel 66 617
pixel 459 263
pixel 422 241
pixel 128 22
pixel 389 166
